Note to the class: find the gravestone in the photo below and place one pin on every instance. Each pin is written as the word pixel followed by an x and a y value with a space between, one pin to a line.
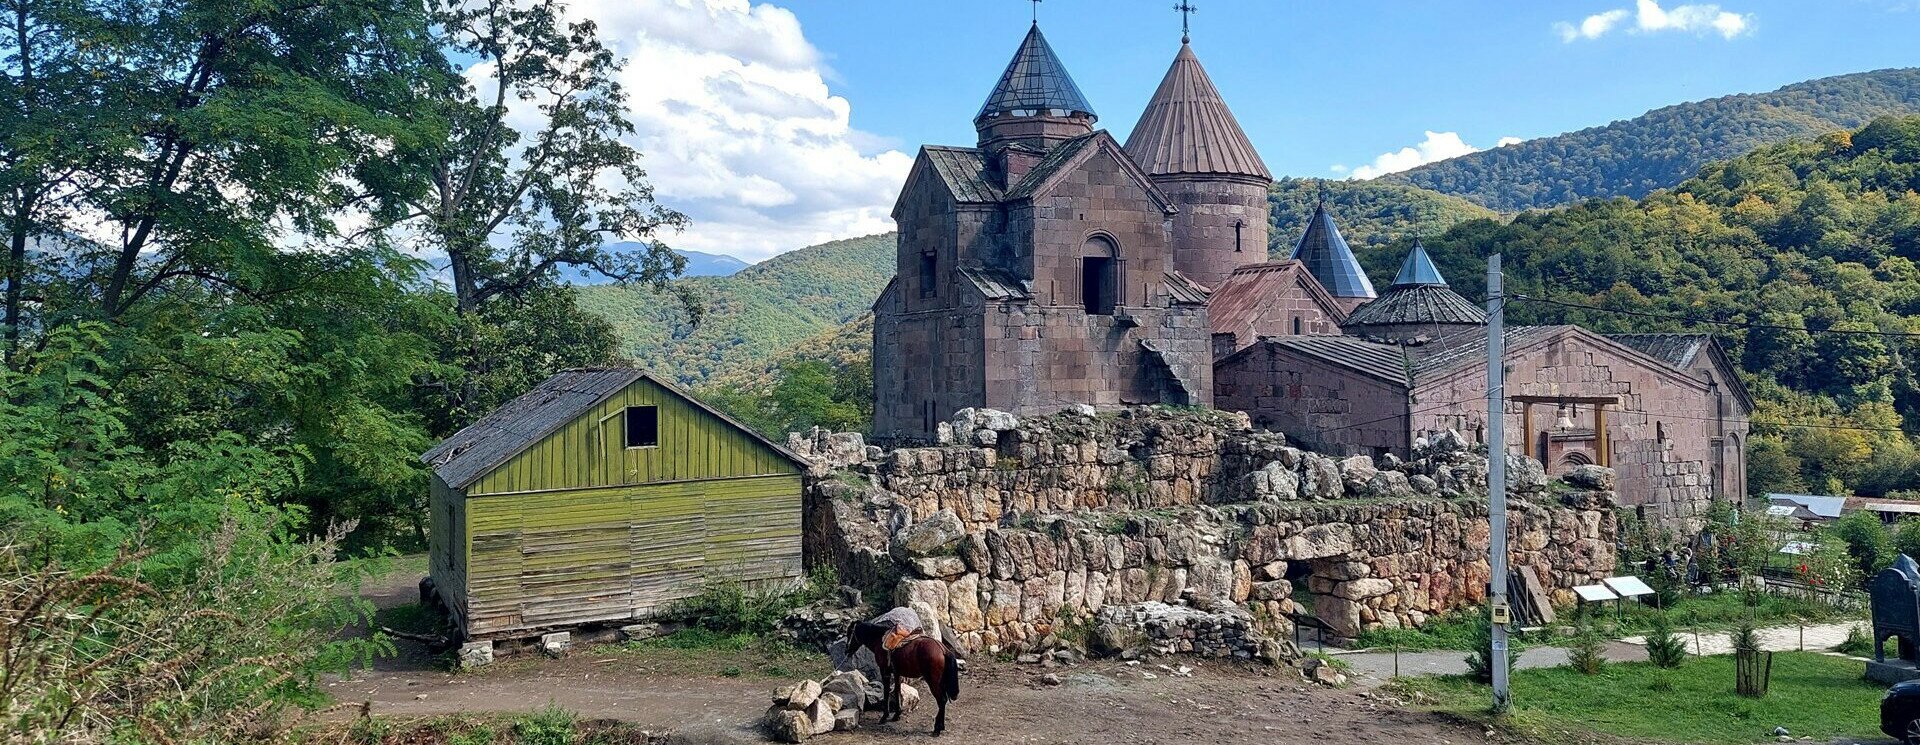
pixel 1896 615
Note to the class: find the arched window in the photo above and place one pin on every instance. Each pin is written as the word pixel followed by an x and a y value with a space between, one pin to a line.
pixel 1099 276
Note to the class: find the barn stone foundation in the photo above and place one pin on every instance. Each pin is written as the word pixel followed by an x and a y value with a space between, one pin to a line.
pixel 1020 535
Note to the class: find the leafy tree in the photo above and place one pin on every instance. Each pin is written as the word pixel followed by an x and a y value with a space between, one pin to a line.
pixel 1867 542
pixel 1906 538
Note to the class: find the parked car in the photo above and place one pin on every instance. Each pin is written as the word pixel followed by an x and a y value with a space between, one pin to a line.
pixel 1900 712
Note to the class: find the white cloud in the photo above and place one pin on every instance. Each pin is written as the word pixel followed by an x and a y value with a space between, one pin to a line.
pixel 1649 17
pixel 739 130
pixel 1436 146
pixel 1505 141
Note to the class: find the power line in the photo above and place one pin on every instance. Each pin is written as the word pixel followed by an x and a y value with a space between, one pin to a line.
pixel 1713 321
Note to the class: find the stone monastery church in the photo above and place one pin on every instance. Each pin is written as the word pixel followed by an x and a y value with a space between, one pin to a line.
pixel 1050 265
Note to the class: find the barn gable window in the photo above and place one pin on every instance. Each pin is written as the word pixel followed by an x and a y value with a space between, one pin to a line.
pixel 643 426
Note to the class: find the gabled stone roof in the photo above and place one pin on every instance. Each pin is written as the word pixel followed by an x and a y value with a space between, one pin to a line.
pixel 1188 129
pixel 1387 362
pixel 1327 256
pixel 996 284
pixel 1244 296
pixel 1035 82
pixel 1677 350
pixel 964 170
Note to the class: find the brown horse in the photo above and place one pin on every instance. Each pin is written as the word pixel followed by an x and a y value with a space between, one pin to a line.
pixel 922 657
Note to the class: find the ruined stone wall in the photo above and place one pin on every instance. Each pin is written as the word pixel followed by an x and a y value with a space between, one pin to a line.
pixel 1329 408
pixel 1021 533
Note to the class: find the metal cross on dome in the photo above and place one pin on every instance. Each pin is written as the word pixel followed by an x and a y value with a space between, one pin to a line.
pixel 1185 8
pixel 1036 12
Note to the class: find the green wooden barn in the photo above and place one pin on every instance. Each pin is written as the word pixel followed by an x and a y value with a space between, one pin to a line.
pixel 600 496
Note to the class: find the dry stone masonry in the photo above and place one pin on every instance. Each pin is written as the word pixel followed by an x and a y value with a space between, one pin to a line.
pixel 1153 529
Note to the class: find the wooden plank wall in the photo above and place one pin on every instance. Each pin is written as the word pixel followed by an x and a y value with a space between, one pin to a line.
pixel 556 559
pixel 590 451
pixel 447 547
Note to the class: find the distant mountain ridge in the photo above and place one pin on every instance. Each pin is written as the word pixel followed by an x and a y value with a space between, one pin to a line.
pixel 699 264
pixel 1665 146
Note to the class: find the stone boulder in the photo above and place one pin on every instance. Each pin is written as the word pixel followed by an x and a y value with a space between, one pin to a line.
pixel 1275 483
pixel 1319 542
pixel 788 725
pixel 1356 472
pixel 1320 477
pixel 934 535
pixel 1596 478
pixel 797 696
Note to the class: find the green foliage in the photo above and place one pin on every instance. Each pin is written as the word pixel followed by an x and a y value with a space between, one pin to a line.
pixel 1906 537
pixel 1376 217
pixel 1858 642
pixel 1817 234
pixel 1665 648
pixel 1867 542
pixel 806 393
pixel 1480 654
pixel 1639 702
pixel 750 315
pixel 1665 146
pixel 551 725
pixel 726 607
pixel 1587 653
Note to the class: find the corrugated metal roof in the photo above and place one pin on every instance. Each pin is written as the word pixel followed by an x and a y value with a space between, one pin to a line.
pixel 1417 304
pixel 1035 81
pixel 1327 256
pixel 1385 361
pixel 1677 350
pixel 964 169
pixel 1188 129
pixel 996 284
pixel 464 457
pixel 1238 302
pixel 1828 507
pixel 1185 290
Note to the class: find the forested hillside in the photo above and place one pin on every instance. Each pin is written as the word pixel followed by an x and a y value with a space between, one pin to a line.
pixel 1371 214
pixel 750 314
pixel 1663 147
pixel 1820 234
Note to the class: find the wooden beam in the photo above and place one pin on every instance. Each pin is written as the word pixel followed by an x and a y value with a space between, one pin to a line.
pixel 1526 426
pixel 1602 448
pixel 1595 400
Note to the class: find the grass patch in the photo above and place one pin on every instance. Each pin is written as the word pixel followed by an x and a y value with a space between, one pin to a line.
pixel 1715 612
pixel 1812 695
pixel 700 651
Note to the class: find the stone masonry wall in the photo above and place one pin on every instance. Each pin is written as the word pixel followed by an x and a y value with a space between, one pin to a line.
pixel 1018 533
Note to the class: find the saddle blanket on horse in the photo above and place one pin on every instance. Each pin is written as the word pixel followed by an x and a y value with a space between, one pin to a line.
pixel 897 637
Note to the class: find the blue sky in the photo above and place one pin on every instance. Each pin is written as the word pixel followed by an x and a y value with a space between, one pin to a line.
pixel 778 124
pixel 1323 83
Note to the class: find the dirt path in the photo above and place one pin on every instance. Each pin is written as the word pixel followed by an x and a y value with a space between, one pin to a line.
pixel 726 692
pixel 1000 703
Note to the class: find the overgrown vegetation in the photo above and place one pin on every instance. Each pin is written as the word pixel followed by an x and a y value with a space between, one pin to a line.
pixel 1480 649
pixel 1665 649
pixel 1695 703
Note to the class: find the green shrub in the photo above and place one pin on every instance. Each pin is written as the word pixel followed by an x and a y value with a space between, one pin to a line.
pixel 1588 652
pixel 1665 648
pixel 1480 655
pixel 728 607
pixel 1858 643
pixel 551 725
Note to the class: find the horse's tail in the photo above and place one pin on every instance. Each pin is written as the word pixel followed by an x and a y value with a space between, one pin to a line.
pixel 950 680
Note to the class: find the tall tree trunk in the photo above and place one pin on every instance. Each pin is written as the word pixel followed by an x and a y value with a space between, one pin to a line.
pixel 16 271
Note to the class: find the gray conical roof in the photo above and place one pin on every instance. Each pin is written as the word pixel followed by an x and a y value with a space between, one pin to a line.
pixel 1188 129
pixel 1035 81
pixel 1418 269
pixel 1327 256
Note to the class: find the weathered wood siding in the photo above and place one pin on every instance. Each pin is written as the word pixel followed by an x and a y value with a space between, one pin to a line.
pixel 447 546
pixel 590 451
pixel 562 558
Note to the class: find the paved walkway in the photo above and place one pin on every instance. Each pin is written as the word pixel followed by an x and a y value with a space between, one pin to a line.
pixel 1373 667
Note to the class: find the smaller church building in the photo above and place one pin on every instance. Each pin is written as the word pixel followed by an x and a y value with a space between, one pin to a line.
pixel 1048 265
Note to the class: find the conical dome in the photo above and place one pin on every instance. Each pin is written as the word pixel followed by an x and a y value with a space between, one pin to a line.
pixel 1188 129
pixel 1418 269
pixel 1035 83
pixel 1328 258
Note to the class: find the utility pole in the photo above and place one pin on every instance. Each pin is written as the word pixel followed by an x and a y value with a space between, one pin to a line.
pixel 1497 484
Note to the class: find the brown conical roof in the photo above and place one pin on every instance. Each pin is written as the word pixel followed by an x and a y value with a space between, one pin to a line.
pixel 1188 129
